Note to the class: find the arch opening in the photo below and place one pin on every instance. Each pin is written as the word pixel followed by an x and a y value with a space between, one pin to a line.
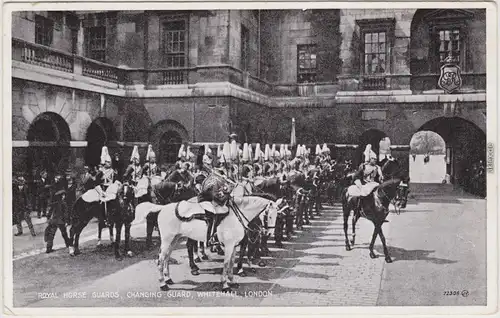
pixel 465 149
pixel 166 138
pixel 99 133
pixel 170 142
pixel 372 137
pixel 427 158
pixel 49 139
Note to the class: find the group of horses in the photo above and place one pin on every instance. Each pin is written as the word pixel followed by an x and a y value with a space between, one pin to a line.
pixel 270 207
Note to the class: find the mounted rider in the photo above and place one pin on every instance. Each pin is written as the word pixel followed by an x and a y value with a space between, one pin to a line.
pixel 134 171
pixel 151 171
pixel 368 176
pixel 105 177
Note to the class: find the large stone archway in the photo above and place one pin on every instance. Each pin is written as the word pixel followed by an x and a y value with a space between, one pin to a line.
pixel 465 145
pixel 99 133
pixel 166 137
pixel 49 139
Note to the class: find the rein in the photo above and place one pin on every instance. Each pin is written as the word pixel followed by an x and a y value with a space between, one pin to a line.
pixel 240 216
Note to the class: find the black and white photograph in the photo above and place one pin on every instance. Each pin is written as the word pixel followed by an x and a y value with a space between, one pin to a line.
pixel 265 157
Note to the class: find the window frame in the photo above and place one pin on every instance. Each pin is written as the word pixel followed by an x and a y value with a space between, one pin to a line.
pixel 244 48
pixel 164 31
pixel 89 50
pixel 435 26
pixel 311 48
pixel 44 25
pixel 367 26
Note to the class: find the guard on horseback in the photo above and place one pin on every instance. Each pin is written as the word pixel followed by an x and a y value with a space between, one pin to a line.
pixel 369 174
pixel 151 170
pixel 134 171
pixel 105 177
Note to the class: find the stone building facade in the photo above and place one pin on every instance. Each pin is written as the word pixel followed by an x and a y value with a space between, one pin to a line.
pixel 349 77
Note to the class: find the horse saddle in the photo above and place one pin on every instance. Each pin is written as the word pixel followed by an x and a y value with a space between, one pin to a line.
pixel 365 190
pixel 97 195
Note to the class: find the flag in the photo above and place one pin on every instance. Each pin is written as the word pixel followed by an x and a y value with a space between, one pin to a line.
pixel 293 139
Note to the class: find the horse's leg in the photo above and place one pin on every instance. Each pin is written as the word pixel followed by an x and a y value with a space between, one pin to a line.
pixel 230 273
pixel 77 238
pixel 243 247
pixel 127 239
pixel 226 269
pixel 190 248
pixel 386 251
pixel 372 243
pixel 195 250
pixel 163 258
pixel 111 237
pixel 99 232
pixel 149 231
pixel 116 243
pixel 355 219
pixel 204 256
pixel 346 212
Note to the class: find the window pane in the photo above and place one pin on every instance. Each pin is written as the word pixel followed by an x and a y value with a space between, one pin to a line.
pixel 381 47
pixel 368 48
pixel 368 38
pixel 381 36
pixel 375 37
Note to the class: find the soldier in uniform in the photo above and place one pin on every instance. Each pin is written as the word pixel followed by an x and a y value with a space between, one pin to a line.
pixel 21 205
pixel 86 181
pixel 43 193
pixel 71 194
pixel 105 177
pixel 134 170
pixel 369 174
pixel 150 168
pixel 59 215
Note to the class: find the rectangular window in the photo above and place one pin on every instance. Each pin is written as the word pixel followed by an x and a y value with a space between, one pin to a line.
pixel 306 63
pixel 375 53
pixel 245 48
pixel 95 38
pixel 175 43
pixel 44 30
pixel 449 44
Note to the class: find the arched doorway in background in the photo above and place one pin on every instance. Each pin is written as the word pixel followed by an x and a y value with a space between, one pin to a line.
pixel 166 138
pixel 465 145
pixel 49 137
pixel 99 133
pixel 371 136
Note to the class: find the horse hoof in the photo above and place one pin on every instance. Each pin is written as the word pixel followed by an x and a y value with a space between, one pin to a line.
pixel 234 285
pixel 197 260
pixel 77 252
pixel 169 281
pixel 241 273
pixel 226 290
pixel 130 254
pixel 204 257
pixel 348 248
pixel 164 287
pixel 388 259
pixel 262 264
pixel 372 255
pixel 195 272
pixel 352 242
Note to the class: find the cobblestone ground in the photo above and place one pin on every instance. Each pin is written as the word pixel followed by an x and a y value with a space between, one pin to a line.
pixel 437 244
pixel 313 269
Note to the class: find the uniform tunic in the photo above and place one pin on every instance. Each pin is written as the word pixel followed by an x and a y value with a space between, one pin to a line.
pixel 133 174
pixel 151 169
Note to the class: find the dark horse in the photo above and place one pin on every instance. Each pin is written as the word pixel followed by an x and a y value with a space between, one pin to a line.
pixel 120 213
pixel 375 206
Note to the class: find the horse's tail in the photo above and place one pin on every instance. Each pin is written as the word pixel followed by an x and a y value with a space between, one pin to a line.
pixel 142 210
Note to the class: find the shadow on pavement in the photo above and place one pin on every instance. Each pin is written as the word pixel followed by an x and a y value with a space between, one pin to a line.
pixel 400 254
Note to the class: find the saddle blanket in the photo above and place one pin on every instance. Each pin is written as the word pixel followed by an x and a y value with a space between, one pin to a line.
pixel 94 195
pixel 366 189
pixel 214 208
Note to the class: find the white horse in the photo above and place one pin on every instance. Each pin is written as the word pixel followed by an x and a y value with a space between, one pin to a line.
pixel 177 220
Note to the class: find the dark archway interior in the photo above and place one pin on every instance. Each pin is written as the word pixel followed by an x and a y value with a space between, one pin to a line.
pixel 466 141
pixel 49 138
pixel 371 136
pixel 99 133
pixel 170 142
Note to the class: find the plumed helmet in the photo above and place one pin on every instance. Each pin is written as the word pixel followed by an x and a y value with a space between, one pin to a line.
pixel 105 155
pixel 250 152
pixel 369 153
pixel 182 153
pixel 384 148
pixel 244 155
pixel 325 149
pixel 208 151
pixel 226 152
pixel 150 154
pixel 258 152
pixel 234 151
pixel 135 154
pixel 318 150
pixel 267 153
